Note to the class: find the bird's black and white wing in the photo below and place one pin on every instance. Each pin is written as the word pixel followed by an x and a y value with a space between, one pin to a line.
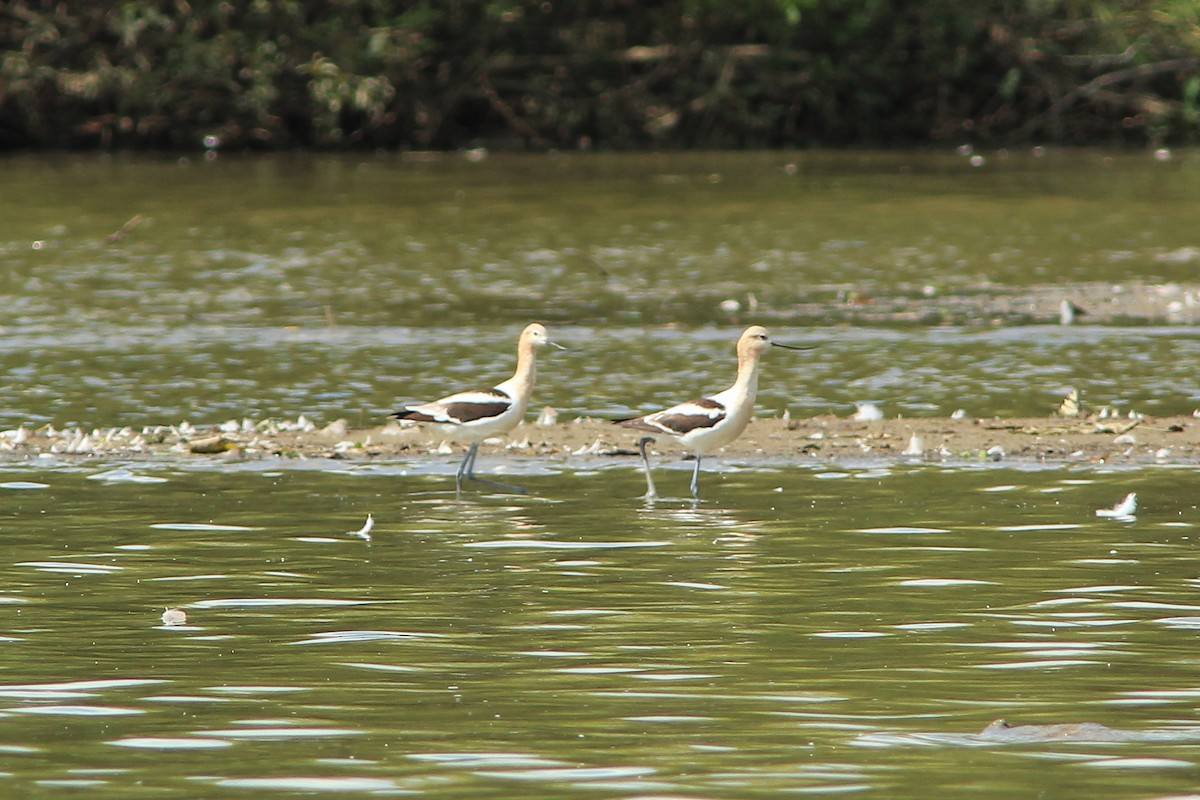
pixel 459 409
pixel 681 419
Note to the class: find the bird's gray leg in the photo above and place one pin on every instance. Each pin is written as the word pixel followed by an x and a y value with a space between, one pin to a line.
pixel 466 468
pixel 651 493
pixel 494 484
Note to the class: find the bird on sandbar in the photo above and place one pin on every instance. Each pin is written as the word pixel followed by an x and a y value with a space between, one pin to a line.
pixel 473 416
pixel 709 423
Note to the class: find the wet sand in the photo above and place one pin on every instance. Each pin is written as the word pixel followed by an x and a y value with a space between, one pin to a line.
pixel 1101 303
pixel 1051 440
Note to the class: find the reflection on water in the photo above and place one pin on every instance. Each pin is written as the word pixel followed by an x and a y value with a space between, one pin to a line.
pixel 791 634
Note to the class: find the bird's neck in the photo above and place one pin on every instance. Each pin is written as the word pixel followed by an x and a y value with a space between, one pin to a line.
pixel 746 384
pixel 520 385
pixel 739 398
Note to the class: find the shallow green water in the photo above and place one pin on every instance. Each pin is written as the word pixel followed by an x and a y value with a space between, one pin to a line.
pixel 839 629
pixel 333 286
pixel 810 630
pixel 603 238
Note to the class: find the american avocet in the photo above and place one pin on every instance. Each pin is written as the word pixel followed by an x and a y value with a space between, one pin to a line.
pixel 473 416
pixel 708 423
pixel 1068 312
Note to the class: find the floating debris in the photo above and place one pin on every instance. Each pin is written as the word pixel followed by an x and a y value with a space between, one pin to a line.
pixel 589 450
pixel 867 412
pixel 174 616
pixel 123 231
pixel 1071 405
pixel 211 444
pixel 337 429
pixel 16 435
pixel 1124 510
pixel 365 531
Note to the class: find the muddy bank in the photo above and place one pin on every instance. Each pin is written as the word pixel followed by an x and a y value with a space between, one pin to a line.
pixel 1148 440
pixel 1093 302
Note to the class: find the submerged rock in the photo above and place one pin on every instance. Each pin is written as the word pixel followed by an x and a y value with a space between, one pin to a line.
pixel 1004 732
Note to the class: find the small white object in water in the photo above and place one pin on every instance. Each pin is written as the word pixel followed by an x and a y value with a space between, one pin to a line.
pixel 17 435
pixel 589 450
pixel 915 446
pixel 1122 510
pixel 867 412
pixel 365 531
pixel 731 306
pixel 174 616
pixel 1070 407
pixel 337 429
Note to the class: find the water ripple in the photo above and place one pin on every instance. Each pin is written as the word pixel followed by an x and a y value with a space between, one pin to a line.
pixel 277 734
pixel 167 743
pixel 550 544
pixel 310 784
pixel 354 637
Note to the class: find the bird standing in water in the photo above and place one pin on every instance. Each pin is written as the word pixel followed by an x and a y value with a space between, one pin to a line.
pixel 711 422
pixel 473 416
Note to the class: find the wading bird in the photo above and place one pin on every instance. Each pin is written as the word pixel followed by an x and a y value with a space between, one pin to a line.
pixel 473 416
pixel 711 422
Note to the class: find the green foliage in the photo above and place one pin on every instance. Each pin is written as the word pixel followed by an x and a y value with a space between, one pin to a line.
pixel 607 73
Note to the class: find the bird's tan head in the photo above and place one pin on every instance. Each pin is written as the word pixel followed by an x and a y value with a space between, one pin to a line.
pixel 755 341
pixel 536 336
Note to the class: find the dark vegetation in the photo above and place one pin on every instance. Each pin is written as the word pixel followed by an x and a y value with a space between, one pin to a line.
pixel 612 74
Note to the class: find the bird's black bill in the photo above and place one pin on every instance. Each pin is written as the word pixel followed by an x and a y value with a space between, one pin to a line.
pixel 793 347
